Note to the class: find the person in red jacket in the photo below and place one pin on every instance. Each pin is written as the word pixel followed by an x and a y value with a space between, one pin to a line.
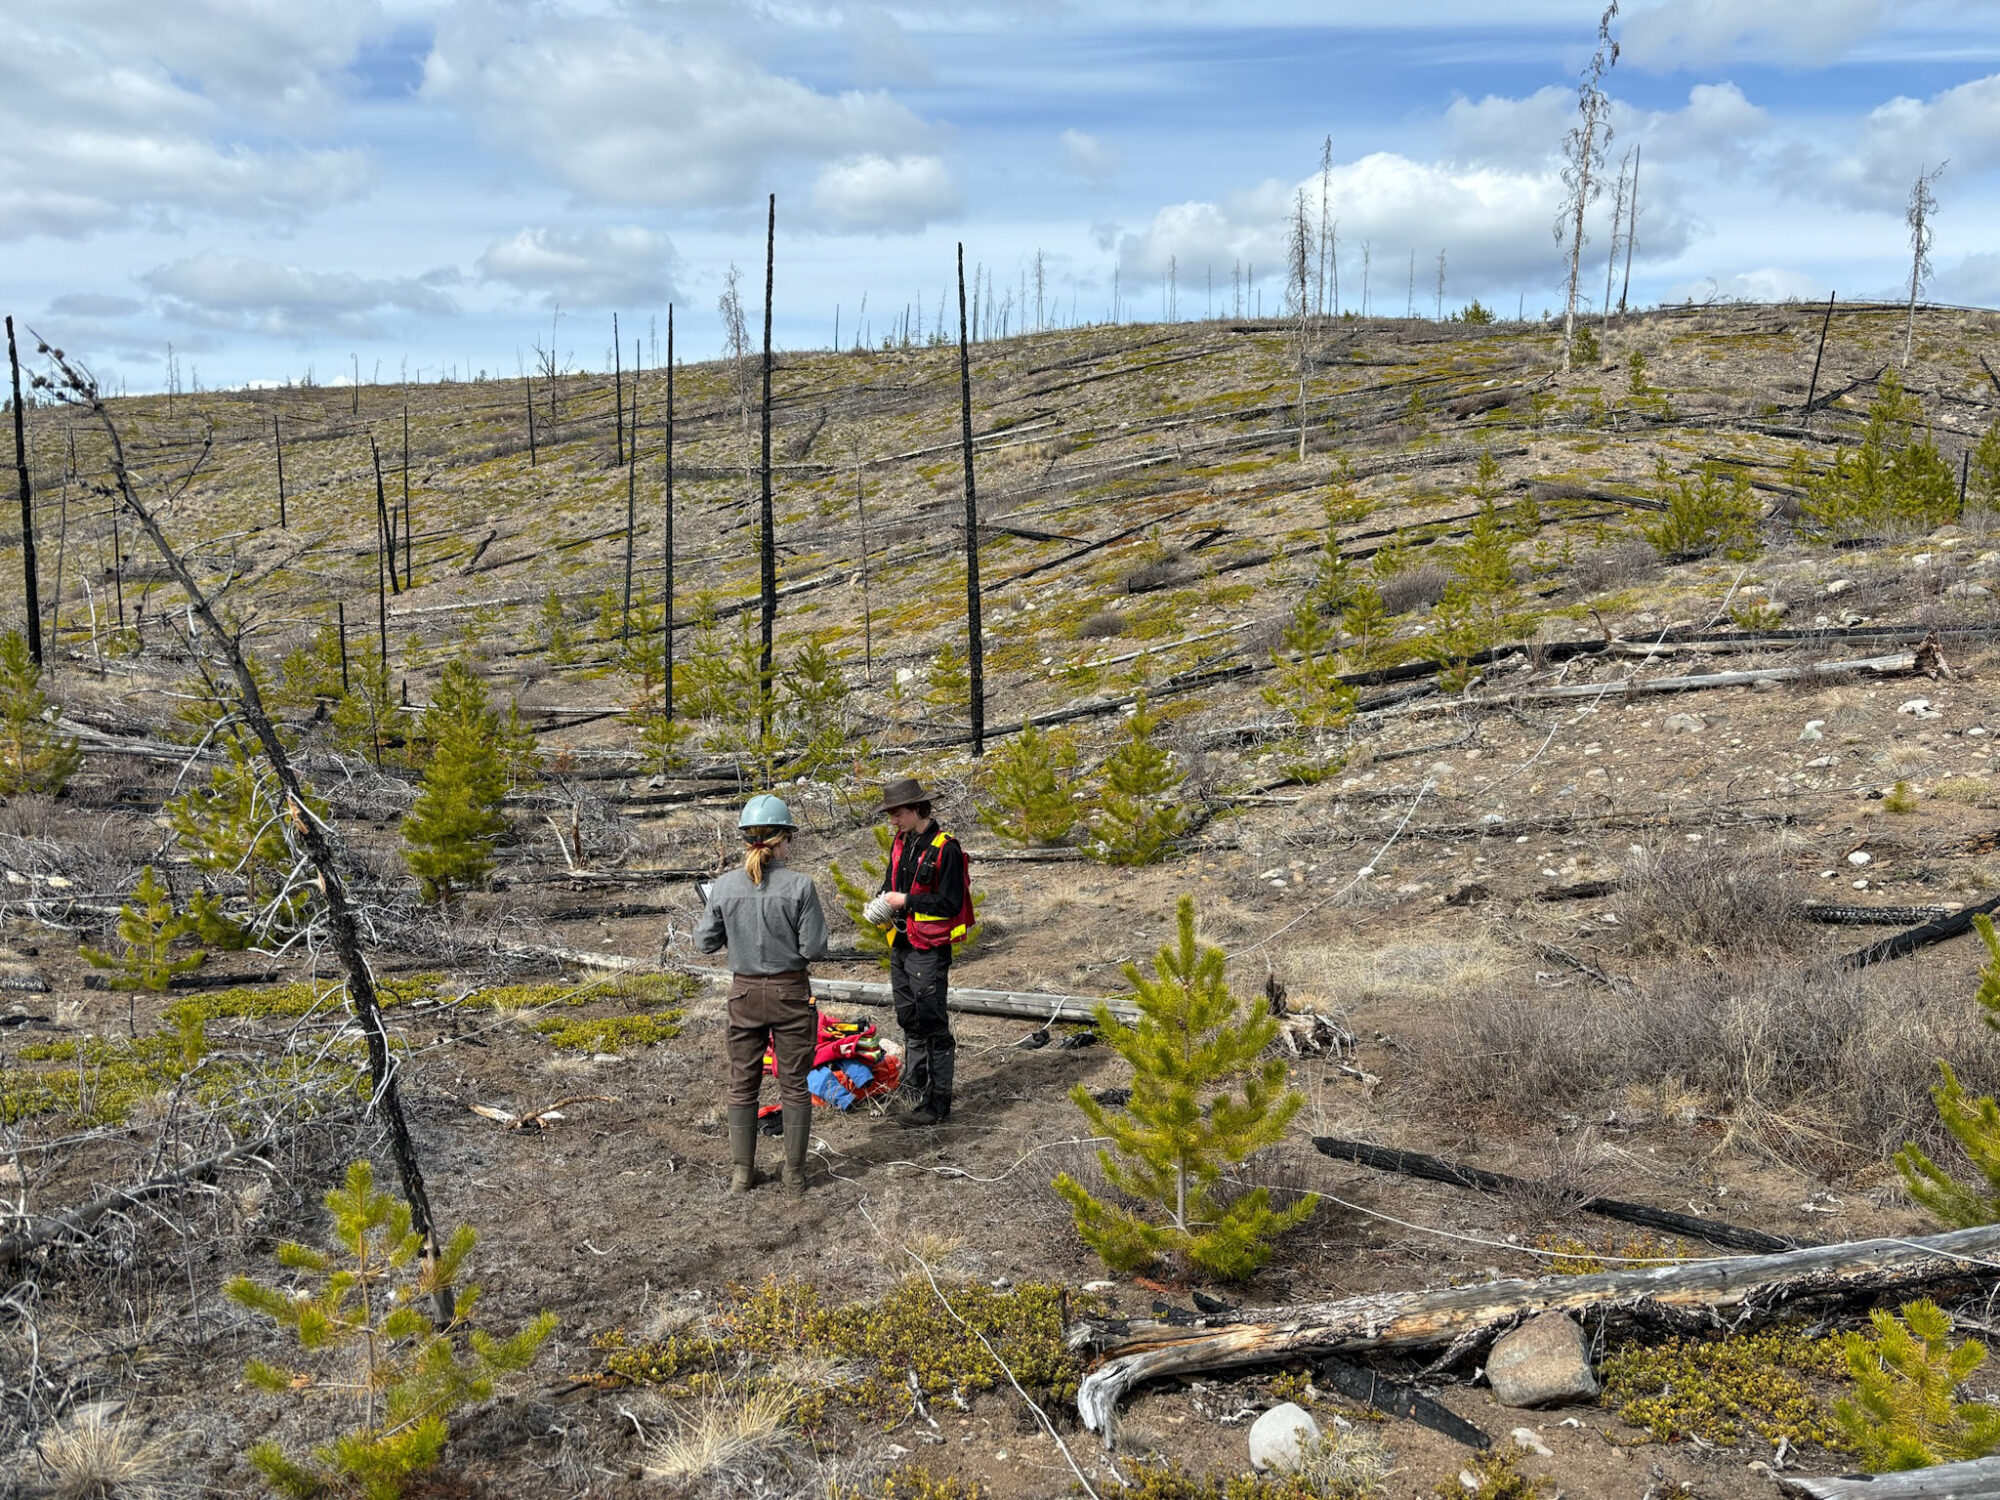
pixel 926 904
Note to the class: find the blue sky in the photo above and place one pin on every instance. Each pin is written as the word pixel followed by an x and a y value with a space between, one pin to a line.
pixel 433 185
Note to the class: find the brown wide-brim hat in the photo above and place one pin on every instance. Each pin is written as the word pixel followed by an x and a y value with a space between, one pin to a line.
pixel 904 793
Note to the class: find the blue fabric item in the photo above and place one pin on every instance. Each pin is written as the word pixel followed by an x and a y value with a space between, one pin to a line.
pixel 835 1083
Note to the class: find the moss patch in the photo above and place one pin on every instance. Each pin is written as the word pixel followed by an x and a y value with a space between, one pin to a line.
pixel 1714 1388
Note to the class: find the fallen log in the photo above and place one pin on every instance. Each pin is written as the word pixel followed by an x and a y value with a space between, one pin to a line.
pixel 1026 1005
pixel 1910 939
pixel 1454 1174
pixel 1399 1400
pixel 1138 1350
pixel 1882 666
pixel 1977 1479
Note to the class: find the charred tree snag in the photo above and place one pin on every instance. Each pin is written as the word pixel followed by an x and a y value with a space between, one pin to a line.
pixel 343 929
pixel 1135 1351
pixel 667 547
pixel 977 653
pixel 32 600
pixel 1812 390
pixel 278 441
pixel 767 565
pixel 1434 1169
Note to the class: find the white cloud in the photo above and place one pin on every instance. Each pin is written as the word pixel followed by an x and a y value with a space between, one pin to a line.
pixel 883 195
pixel 1975 279
pixel 621 114
pixel 623 266
pixel 260 296
pixel 1765 284
pixel 102 133
pixel 883 52
pixel 1707 33
pixel 1503 132
pixel 93 305
pixel 1090 157
pixel 1874 167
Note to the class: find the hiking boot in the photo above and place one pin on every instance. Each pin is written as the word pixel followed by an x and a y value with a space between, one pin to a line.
pixel 798 1137
pixel 743 1174
pixel 921 1116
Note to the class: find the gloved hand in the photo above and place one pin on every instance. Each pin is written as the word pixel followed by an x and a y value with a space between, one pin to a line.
pixel 878 912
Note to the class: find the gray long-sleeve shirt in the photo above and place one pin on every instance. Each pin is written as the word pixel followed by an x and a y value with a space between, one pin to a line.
pixel 773 928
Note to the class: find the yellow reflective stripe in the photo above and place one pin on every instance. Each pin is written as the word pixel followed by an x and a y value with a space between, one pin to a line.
pixel 958 931
pixel 938 842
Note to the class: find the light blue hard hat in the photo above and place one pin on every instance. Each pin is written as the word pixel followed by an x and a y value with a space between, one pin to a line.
pixel 766 811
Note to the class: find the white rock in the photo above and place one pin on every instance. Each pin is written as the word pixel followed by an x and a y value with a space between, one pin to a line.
pixel 1919 708
pixel 1527 1442
pixel 1814 730
pixel 1967 591
pixel 1685 724
pixel 1860 857
pixel 1840 585
pixel 1279 1438
pixel 1819 763
pixel 1100 1286
pixel 1917 560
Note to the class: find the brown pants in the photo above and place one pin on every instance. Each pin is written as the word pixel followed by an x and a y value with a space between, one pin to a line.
pixel 778 1010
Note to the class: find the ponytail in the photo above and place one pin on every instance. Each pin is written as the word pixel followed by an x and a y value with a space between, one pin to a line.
pixel 766 848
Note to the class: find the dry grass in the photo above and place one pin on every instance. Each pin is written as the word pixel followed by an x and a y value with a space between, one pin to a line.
pixel 1419 968
pixel 90 1458
pixel 1105 623
pixel 1615 565
pixel 1346 1461
pixel 1414 588
pixel 1825 1068
pixel 724 1444
pixel 1707 897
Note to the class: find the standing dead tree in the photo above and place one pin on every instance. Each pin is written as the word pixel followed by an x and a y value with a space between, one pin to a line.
pixel 1617 228
pixel 767 552
pixel 618 389
pixel 1299 293
pixel 1631 228
pixel 1583 163
pixel 278 442
pixel 302 825
pixel 667 546
pixel 1923 208
pixel 1325 192
pixel 976 653
pixel 31 599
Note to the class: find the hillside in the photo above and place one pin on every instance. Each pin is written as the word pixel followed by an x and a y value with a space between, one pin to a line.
pixel 1581 917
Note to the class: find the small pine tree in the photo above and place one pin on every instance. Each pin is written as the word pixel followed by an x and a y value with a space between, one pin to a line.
pixel 1193 1042
pixel 949 685
pixel 1704 513
pixel 1030 784
pixel 149 927
pixel 368 721
pixel 869 939
pixel 1309 689
pixel 235 827
pixel 309 675
pixel 1460 630
pixel 1137 818
pixel 1984 481
pixel 1973 1123
pixel 456 819
pixel 1897 476
pixel 367 1315
pixel 1366 622
pixel 1906 1413
pixel 663 744
pixel 33 756
pixel 813 703
pixel 558 640
pixel 1583 348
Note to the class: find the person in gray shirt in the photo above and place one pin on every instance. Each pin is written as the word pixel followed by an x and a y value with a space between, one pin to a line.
pixel 770 919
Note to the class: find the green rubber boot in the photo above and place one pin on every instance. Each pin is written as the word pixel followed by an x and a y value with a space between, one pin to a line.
pixel 798 1136
pixel 743 1174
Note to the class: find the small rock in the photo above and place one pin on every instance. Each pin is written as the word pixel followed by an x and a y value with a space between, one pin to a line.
pixel 1685 724
pixel 1468 1481
pixel 1490 820
pixel 1279 1438
pixel 1812 732
pixel 1918 559
pixel 1542 1362
pixel 1967 591
pixel 1100 1286
pixel 1919 708
pixel 1527 1442
pixel 1819 763
pixel 1860 857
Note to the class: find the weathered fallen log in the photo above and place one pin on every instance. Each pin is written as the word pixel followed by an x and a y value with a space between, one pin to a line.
pixel 1026 1005
pixel 1978 1479
pixel 1138 1350
pixel 1882 666
pixel 1455 1174
pixel 1908 941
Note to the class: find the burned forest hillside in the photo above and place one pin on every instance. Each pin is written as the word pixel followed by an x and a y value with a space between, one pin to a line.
pixel 1590 770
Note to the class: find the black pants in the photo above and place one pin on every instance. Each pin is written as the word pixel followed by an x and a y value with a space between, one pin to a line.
pixel 918 979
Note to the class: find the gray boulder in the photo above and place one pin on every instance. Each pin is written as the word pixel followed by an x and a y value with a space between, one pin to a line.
pixel 1542 1363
